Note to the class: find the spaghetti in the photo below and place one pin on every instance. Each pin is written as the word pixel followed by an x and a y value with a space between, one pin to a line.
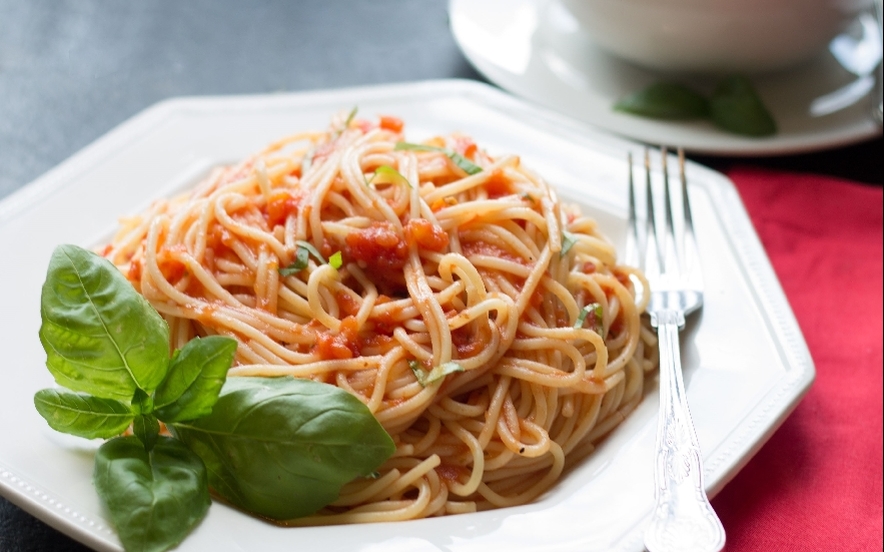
pixel 485 323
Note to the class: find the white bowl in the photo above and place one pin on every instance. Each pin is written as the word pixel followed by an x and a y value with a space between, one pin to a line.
pixel 715 36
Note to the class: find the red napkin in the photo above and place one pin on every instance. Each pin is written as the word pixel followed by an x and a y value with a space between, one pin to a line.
pixel 817 483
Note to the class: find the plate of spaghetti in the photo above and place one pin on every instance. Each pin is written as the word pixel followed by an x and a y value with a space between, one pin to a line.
pixel 446 254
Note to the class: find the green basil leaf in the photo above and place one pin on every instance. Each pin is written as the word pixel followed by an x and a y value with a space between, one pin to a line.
pixel 83 415
pixel 101 337
pixel 465 164
pixel 195 377
pixel 568 241
pixel 351 116
pixel 408 146
pixel 146 429
pixel 302 259
pixel 438 373
pixel 736 107
pixel 385 174
pixel 336 260
pixel 142 403
pixel 283 447
pixel 154 499
pixel 665 100
pixel 597 317
pixel 311 249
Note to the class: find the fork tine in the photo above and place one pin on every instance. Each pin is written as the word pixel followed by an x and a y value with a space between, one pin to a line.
pixel 635 247
pixel 673 247
pixel 690 254
pixel 654 252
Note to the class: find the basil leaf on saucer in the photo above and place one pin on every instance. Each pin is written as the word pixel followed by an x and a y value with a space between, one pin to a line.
pixel 665 100
pixel 736 107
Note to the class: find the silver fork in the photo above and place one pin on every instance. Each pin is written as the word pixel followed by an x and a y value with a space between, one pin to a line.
pixel 683 520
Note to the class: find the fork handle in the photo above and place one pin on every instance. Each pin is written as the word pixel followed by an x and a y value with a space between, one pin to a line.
pixel 683 519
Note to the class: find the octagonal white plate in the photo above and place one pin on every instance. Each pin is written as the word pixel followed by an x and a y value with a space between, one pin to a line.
pixel 746 364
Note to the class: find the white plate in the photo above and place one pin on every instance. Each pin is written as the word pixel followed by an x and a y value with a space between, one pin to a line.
pixel 746 364
pixel 535 49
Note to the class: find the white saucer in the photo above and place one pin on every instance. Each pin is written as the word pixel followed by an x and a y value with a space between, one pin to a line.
pixel 536 50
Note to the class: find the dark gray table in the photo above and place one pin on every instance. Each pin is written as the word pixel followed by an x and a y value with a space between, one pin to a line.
pixel 72 70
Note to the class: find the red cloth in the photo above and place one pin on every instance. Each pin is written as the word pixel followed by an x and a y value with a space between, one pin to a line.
pixel 817 483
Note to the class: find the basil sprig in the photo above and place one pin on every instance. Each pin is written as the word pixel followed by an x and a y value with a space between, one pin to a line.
pixel 110 348
pixel 462 162
pixel 734 105
pixel 301 440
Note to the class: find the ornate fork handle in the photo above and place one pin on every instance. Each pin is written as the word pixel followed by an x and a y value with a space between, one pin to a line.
pixel 683 520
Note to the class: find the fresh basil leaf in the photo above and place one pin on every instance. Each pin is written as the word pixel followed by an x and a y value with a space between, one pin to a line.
pixel 101 337
pixel 597 317
pixel 351 116
pixel 465 164
pixel 154 499
pixel 736 107
pixel 142 403
pixel 568 241
pixel 385 174
pixel 83 415
pixel 146 429
pixel 438 373
pixel 283 447
pixel 195 377
pixel 408 146
pixel 665 100
pixel 312 250
pixel 336 260
pixel 302 259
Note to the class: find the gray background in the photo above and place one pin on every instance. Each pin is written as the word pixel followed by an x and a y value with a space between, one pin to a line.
pixel 72 70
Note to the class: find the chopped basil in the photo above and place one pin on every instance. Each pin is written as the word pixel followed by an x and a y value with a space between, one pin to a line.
pixel 598 315
pixel 302 258
pixel 436 374
pixel 336 260
pixel 568 241
pixel 385 174
pixel 462 162
pixel 465 164
pixel 351 116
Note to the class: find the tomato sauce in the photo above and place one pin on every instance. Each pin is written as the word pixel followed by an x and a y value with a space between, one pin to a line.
pixel 426 235
pixel 280 205
pixel 381 252
pixel 498 185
